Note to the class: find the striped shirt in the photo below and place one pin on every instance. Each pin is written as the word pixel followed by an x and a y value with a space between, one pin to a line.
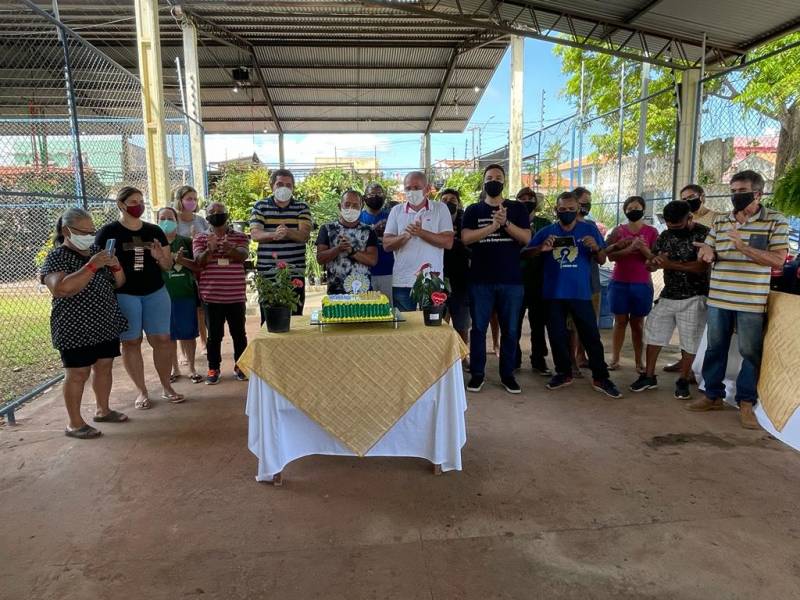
pixel 221 281
pixel 737 282
pixel 269 215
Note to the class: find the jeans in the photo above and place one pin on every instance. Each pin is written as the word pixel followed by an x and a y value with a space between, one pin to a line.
pixel 506 299
pixel 537 319
pixel 585 320
pixel 301 297
pixel 749 329
pixel 216 316
pixel 401 296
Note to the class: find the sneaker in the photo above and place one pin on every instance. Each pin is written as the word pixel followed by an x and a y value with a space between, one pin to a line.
pixel 213 377
pixel 705 404
pixel 682 391
pixel 542 369
pixel 747 417
pixel 644 383
pixel 558 381
pixel 475 383
pixel 607 387
pixel 239 374
pixel 511 385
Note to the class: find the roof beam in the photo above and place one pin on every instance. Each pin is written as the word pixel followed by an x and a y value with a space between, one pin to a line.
pixel 443 88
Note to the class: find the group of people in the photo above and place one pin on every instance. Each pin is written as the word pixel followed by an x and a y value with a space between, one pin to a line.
pixel 175 280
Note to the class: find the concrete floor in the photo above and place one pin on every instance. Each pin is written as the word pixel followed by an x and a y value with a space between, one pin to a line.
pixel 563 495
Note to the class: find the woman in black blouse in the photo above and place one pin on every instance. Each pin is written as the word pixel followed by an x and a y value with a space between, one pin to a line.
pixel 86 320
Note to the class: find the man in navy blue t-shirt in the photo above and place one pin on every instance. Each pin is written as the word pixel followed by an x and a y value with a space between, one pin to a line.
pixel 569 247
pixel 495 230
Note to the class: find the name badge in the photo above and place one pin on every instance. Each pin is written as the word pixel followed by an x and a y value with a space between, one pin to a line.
pixel 223 262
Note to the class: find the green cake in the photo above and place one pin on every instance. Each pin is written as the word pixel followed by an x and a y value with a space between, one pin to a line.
pixel 347 308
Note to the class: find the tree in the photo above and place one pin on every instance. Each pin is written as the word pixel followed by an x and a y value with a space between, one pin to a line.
pixel 468 184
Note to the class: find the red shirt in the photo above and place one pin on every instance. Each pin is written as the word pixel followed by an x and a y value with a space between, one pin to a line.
pixel 221 281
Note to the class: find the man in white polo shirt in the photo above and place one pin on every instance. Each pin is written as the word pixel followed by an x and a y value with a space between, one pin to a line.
pixel 418 231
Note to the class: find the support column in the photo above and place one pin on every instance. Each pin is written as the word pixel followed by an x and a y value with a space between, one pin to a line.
pixel 426 141
pixel 686 143
pixel 155 143
pixel 641 152
pixel 281 152
pixel 516 125
pixel 194 106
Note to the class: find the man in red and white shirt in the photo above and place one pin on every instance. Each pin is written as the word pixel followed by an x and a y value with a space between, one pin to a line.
pixel 220 254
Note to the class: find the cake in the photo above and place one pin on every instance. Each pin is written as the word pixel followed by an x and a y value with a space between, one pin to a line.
pixel 346 308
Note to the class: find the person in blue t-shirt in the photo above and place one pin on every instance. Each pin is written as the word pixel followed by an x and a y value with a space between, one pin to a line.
pixel 374 216
pixel 495 230
pixel 569 247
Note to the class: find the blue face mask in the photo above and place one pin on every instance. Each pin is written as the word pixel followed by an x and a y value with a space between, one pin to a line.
pixel 567 217
pixel 168 226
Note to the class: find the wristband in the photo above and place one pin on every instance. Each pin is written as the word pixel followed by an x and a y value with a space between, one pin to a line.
pixel 116 269
pixel 90 267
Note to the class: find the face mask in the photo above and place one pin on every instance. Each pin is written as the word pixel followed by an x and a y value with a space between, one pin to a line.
pixel 81 242
pixel 374 202
pixel 634 215
pixel 452 207
pixel 585 209
pixel 742 200
pixel 136 211
pixel 282 194
pixel 218 219
pixel 168 226
pixel 350 215
pixel 567 217
pixel 415 197
pixel 493 188
pixel 189 205
pixel 694 203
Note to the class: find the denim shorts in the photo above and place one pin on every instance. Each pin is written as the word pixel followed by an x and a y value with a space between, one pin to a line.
pixel 634 299
pixel 151 313
pixel 183 321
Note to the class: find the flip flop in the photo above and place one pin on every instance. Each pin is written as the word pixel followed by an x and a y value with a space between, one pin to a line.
pixel 87 432
pixel 174 377
pixel 613 367
pixel 143 404
pixel 112 417
pixel 196 378
pixel 174 398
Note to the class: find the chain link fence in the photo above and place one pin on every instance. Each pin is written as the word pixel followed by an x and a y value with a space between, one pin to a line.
pixel 71 134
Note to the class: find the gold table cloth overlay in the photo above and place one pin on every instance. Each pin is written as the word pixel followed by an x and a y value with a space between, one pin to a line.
pixel 779 380
pixel 355 381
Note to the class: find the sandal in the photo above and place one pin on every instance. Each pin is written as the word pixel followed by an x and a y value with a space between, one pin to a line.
pixel 196 378
pixel 173 377
pixel 174 398
pixel 112 417
pixel 613 366
pixel 87 432
pixel 143 403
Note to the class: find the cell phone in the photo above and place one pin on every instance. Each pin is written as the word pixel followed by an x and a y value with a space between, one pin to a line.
pixel 563 241
pixel 110 245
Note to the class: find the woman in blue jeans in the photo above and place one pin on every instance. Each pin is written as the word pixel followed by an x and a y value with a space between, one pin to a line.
pixel 143 253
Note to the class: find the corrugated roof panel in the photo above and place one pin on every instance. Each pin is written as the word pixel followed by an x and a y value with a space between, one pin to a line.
pixel 349 55
pixel 360 77
pixel 354 113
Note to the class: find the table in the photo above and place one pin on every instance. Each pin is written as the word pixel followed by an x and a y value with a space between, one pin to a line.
pixel 355 390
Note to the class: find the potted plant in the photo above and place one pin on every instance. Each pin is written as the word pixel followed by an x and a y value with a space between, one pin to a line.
pixel 276 294
pixel 430 291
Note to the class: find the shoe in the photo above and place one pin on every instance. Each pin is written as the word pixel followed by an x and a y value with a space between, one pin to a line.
pixel 239 374
pixel 673 368
pixel 213 377
pixel 475 383
pixel 542 369
pixel 511 385
pixel 705 404
pixel 644 383
pixel 682 391
pixel 747 417
pixel 558 381
pixel 607 387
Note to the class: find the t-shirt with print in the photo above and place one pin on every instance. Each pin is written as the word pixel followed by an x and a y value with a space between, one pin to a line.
pixel 360 237
pixel 267 214
pixel 191 228
pixel 495 258
pixel 180 280
pixel 678 245
pixel 142 271
pixel 434 217
pixel 385 259
pixel 567 269
pixel 91 316
pixel 222 281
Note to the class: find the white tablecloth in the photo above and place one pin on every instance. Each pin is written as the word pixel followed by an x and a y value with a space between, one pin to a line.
pixel 434 428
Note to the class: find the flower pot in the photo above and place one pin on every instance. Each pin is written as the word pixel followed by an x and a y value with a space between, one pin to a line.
pixel 434 315
pixel 277 318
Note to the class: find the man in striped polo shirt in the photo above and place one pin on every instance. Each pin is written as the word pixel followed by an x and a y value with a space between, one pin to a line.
pixel 281 225
pixel 744 246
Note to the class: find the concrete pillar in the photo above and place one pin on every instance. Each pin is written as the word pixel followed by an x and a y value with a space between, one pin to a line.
pixel 688 116
pixel 426 141
pixel 641 152
pixel 194 106
pixel 155 144
pixel 516 125
pixel 281 153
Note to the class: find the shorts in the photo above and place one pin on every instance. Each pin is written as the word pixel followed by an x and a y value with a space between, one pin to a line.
pixel 86 356
pixel 183 320
pixel 634 299
pixel 689 316
pixel 458 306
pixel 595 306
pixel 150 313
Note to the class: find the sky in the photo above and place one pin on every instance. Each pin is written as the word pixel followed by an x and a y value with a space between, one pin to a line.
pixel 401 152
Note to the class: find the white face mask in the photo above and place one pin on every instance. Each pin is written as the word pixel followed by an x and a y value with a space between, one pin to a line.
pixel 350 215
pixel 282 194
pixel 81 242
pixel 415 197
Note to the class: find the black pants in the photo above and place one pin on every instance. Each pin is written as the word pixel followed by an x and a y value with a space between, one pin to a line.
pixel 586 324
pixel 216 315
pixel 537 319
pixel 301 297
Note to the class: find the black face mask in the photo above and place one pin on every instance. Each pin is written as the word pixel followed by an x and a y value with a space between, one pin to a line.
pixel 453 208
pixel 694 203
pixel 742 200
pixel 567 217
pixel 530 207
pixel 374 202
pixel 634 215
pixel 585 209
pixel 218 219
pixel 493 188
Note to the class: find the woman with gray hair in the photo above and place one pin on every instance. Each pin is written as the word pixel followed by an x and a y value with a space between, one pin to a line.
pixel 82 279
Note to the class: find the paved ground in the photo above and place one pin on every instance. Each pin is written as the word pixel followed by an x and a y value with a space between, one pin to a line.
pixel 564 495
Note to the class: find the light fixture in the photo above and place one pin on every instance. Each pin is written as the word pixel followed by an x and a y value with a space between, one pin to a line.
pixel 235 89
pixel 477 89
pixel 441 131
pixel 265 131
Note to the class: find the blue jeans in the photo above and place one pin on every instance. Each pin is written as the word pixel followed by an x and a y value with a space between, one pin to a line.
pixel 401 297
pixel 585 320
pixel 750 331
pixel 507 300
